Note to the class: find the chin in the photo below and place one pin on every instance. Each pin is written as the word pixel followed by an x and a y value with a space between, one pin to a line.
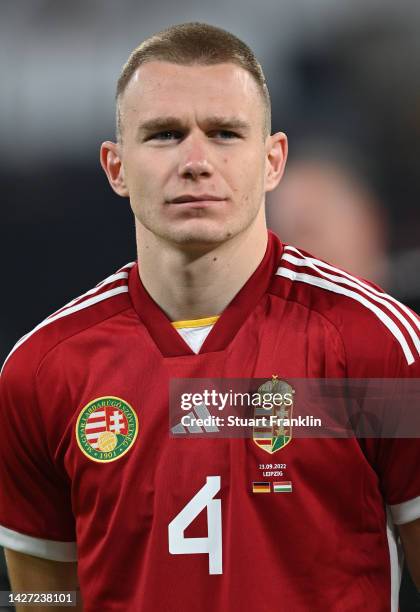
pixel 200 235
pixel 199 239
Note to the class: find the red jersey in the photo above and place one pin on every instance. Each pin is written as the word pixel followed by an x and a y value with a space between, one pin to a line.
pixel 88 470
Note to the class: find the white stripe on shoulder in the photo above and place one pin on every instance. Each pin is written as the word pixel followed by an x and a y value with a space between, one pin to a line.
pixel 38 547
pixel 120 274
pixel 76 305
pixel 323 264
pixel 406 512
pixel 316 281
pixel 371 292
pixel 107 281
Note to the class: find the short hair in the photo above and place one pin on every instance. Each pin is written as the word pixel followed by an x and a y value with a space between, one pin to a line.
pixel 194 43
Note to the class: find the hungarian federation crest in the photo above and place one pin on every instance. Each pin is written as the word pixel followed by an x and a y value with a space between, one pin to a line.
pixel 106 429
pixel 275 430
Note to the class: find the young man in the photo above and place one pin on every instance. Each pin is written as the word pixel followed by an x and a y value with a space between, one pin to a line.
pixel 88 471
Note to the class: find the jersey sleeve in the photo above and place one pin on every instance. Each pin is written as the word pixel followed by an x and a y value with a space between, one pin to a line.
pixel 35 500
pixel 397 459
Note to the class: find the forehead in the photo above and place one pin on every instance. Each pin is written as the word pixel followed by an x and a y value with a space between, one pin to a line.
pixel 162 88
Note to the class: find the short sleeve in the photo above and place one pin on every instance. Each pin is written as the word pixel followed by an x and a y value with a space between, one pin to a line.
pixel 397 459
pixel 35 501
pixel 399 473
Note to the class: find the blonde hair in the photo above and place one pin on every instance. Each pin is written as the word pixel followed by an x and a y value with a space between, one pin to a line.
pixel 194 43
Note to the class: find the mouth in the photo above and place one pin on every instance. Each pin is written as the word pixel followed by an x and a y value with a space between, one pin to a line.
pixel 191 199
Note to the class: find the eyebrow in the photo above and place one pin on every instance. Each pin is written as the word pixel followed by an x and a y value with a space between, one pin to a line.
pixel 159 124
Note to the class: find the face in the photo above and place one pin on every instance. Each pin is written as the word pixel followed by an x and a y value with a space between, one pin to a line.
pixel 193 157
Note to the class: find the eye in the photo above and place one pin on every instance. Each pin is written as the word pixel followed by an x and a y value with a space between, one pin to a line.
pixel 166 135
pixel 224 134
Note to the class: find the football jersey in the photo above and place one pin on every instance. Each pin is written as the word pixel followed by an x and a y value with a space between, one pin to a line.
pixel 89 470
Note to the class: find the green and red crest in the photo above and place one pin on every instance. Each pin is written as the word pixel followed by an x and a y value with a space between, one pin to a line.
pixel 274 436
pixel 106 429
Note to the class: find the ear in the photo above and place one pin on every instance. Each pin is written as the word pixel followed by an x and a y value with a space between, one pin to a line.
pixel 113 168
pixel 276 156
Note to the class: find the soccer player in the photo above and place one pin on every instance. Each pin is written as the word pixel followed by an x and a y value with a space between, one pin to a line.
pixel 93 489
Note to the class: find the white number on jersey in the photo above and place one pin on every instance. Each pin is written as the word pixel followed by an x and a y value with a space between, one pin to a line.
pixel 212 544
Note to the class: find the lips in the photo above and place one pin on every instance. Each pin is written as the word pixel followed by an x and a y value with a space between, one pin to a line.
pixel 205 197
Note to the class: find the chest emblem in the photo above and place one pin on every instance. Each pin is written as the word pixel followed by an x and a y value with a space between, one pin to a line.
pixel 276 430
pixel 106 429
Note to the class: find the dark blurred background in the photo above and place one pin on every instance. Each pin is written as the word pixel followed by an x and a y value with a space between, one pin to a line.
pixel 345 85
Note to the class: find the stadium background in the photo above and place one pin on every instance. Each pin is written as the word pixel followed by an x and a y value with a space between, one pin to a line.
pixel 345 87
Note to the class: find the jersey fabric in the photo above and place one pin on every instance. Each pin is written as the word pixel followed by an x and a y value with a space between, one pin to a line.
pixel 92 381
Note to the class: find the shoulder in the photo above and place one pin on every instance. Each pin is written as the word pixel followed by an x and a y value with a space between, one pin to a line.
pixel 371 323
pixel 105 300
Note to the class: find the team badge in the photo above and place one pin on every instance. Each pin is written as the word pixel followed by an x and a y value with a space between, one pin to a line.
pixel 275 430
pixel 106 429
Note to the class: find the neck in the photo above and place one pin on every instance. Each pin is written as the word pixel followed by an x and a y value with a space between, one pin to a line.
pixel 193 285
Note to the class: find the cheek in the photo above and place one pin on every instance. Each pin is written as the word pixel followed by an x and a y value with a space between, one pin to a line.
pixel 151 173
pixel 140 177
pixel 250 178
pixel 238 170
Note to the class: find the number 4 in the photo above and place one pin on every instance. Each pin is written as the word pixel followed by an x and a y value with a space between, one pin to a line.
pixel 212 544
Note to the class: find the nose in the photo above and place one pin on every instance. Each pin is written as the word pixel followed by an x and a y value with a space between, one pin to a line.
pixel 195 163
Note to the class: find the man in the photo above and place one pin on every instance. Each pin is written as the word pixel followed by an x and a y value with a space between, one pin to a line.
pixel 178 523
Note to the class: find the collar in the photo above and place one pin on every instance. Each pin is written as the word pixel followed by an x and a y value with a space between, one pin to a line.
pixel 169 341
